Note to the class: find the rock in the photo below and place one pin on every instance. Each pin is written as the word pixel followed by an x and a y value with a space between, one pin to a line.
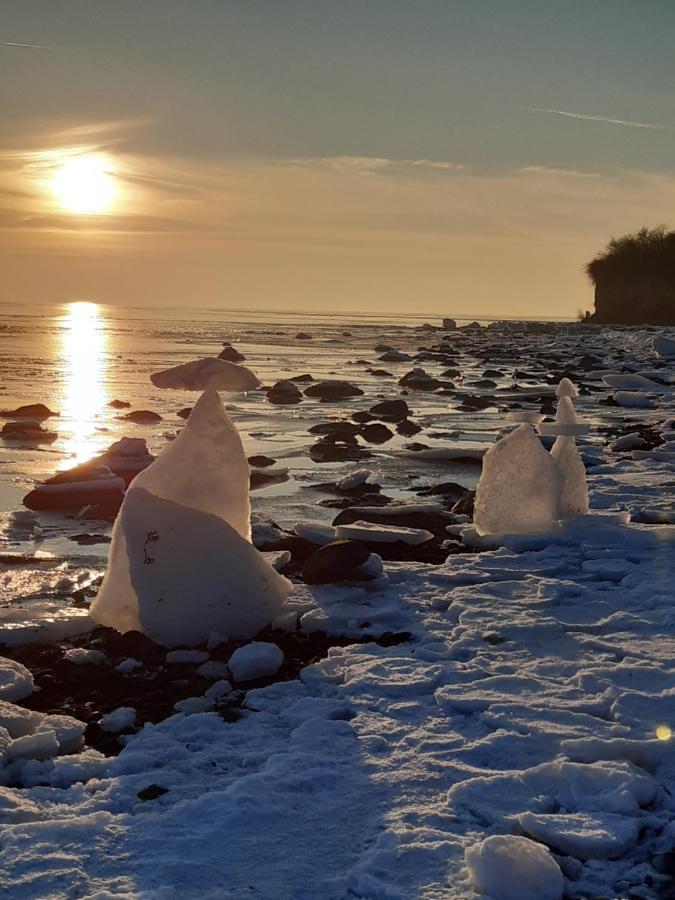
pixel 231 355
pixel 261 462
pixel 28 431
pixel 332 450
pixel 449 324
pixel 362 416
pixel 152 792
pixel 377 433
pixel 35 411
pixel 472 402
pixel 184 413
pixel 119 404
pixel 464 506
pixel 284 392
pixel 394 356
pixel 340 430
pixel 143 417
pixel 302 379
pixel 334 562
pixel 333 390
pixel 391 410
pixel 418 380
pixel 87 540
pixel 451 490
pixel 408 428
pixel 303 336
pixel 416 516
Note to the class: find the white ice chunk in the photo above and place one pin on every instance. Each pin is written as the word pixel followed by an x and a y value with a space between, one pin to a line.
pixel 382 534
pixel 573 490
pixel 196 574
pixel 210 373
pixel 16 681
pixel 119 719
pixel 181 563
pixel 508 867
pixel 519 488
pixel 256 660
pixel 631 382
pixel 566 388
pixel 632 399
pixel 315 532
pixel 354 480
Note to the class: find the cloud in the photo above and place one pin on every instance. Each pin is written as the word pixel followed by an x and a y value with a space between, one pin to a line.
pixel 587 118
pixel 19 44
pixel 374 165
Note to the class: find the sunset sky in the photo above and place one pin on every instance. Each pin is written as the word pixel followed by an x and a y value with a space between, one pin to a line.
pixel 441 156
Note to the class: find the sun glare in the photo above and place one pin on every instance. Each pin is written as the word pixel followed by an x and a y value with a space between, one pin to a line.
pixel 84 355
pixel 84 184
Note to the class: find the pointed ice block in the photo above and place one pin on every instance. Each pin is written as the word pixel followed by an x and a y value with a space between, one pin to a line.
pixel 519 487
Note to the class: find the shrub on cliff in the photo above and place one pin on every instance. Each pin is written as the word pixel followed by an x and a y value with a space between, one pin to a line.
pixel 648 253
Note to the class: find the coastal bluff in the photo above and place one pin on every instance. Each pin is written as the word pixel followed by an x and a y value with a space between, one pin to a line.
pixel 634 279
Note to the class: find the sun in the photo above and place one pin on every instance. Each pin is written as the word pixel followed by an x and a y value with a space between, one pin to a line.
pixel 84 184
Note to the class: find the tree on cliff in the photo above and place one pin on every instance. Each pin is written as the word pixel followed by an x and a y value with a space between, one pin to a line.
pixel 650 252
pixel 634 278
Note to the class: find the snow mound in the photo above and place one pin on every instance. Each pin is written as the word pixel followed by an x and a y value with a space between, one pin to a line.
pixel 16 681
pixel 210 373
pixel 508 867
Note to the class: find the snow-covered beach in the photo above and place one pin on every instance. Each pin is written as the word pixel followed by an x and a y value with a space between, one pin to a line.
pixel 521 692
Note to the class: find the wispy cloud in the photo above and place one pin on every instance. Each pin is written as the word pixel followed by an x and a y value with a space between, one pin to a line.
pixel 19 44
pixel 586 118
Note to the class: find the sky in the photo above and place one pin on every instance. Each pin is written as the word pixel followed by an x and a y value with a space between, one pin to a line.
pixel 422 156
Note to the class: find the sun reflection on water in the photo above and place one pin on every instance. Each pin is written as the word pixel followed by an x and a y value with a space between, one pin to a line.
pixel 85 362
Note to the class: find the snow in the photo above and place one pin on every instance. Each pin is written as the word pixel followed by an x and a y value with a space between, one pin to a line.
pixel 385 534
pixel 519 486
pixel 509 867
pixel 119 719
pixel 515 744
pixel 16 681
pixel 181 563
pixel 210 373
pixel 258 659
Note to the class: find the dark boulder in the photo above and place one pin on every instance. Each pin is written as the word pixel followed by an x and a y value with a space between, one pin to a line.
pixel 339 561
pixel 231 355
pixel 391 410
pixel 143 417
pixel 35 411
pixel 376 433
pixel 333 390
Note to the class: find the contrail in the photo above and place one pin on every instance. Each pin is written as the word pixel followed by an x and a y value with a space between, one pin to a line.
pixel 571 115
pixel 17 44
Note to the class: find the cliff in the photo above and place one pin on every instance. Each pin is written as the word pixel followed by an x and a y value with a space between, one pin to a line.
pixel 634 279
